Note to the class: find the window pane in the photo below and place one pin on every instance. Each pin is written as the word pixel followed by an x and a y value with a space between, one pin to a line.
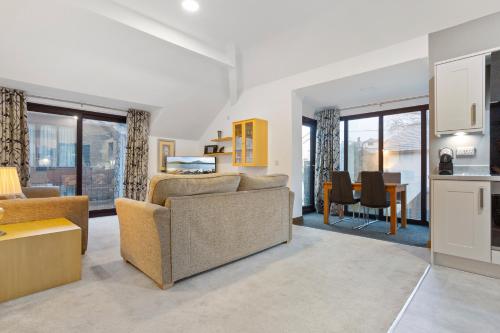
pixel 402 153
pixel 238 149
pixel 427 181
pixel 341 162
pixel 362 146
pixel 103 155
pixel 306 166
pixel 249 142
pixel 53 151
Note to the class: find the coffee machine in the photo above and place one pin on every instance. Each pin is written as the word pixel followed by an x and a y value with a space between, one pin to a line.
pixel 445 161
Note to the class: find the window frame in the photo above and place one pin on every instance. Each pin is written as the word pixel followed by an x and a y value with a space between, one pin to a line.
pixel 81 114
pixel 423 109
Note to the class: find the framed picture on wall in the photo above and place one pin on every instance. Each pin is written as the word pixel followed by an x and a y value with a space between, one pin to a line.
pixel 165 148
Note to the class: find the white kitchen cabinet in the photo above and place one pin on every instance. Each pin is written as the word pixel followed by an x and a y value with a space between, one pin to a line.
pixel 460 95
pixel 461 219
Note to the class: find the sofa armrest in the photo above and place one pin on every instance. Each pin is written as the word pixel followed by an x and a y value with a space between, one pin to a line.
pixel 75 209
pixel 41 192
pixel 145 238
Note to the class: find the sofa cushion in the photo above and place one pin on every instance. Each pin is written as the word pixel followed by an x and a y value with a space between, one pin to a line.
pixel 166 186
pixel 249 183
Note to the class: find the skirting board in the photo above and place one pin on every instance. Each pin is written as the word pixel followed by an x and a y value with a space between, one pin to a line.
pixel 467 265
pixel 298 220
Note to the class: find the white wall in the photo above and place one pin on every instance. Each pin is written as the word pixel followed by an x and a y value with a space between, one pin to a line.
pixel 308 109
pixel 277 102
pixel 182 148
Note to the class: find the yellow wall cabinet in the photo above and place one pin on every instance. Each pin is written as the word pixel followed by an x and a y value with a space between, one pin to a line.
pixel 250 143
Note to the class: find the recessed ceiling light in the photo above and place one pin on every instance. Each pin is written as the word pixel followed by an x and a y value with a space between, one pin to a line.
pixel 191 5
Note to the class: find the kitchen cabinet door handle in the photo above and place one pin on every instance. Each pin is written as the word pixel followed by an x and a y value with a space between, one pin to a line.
pixel 473 113
pixel 481 198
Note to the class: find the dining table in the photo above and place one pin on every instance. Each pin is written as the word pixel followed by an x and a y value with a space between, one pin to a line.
pixel 392 188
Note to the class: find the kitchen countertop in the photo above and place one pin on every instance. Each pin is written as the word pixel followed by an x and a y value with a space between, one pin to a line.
pixel 467 177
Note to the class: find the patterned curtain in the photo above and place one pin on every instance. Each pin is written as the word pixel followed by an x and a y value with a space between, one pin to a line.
pixel 327 151
pixel 14 135
pixel 136 165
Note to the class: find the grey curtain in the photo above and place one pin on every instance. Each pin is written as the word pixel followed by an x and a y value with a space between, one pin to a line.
pixel 136 165
pixel 14 135
pixel 327 151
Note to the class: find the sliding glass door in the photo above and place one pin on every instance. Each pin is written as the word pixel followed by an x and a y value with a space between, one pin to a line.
pixel 80 152
pixel 308 163
pixel 342 150
pixel 362 150
pixel 103 158
pixel 403 153
pixel 53 151
pixel 391 141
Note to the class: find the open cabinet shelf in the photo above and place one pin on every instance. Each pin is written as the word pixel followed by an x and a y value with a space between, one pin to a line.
pixel 223 139
pixel 220 154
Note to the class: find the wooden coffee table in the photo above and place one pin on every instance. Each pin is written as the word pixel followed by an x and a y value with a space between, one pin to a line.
pixel 38 255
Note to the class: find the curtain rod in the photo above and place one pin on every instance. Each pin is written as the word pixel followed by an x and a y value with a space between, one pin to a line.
pixel 383 103
pixel 79 103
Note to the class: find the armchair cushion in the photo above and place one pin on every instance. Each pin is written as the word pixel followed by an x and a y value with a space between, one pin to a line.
pixel 41 192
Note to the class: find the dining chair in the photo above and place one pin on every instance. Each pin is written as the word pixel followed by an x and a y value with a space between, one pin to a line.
pixel 358 180
pixel 342 194
pixel 373 195
pixel 394 178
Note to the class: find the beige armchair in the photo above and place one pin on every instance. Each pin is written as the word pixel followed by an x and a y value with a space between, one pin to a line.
pixel 45 203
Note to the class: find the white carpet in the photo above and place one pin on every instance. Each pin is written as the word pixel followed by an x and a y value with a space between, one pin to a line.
pixel 321 282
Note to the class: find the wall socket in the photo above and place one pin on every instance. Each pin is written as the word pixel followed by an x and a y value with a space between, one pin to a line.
pixel 466 151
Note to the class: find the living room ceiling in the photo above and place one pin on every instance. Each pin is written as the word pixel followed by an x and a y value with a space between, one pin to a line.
pixel 94 56
pixel 278 38
pixel 63 52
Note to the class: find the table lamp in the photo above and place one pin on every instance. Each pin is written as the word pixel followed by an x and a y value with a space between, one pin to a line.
pixel 9 185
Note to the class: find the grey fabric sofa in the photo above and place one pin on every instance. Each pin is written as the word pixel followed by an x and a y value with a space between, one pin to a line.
pixel 191 224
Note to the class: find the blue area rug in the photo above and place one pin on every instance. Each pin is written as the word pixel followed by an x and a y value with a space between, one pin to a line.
pixel 415 235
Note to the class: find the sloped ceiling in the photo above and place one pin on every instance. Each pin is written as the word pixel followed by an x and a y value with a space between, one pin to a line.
pixel 279 38
pixel 57 50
